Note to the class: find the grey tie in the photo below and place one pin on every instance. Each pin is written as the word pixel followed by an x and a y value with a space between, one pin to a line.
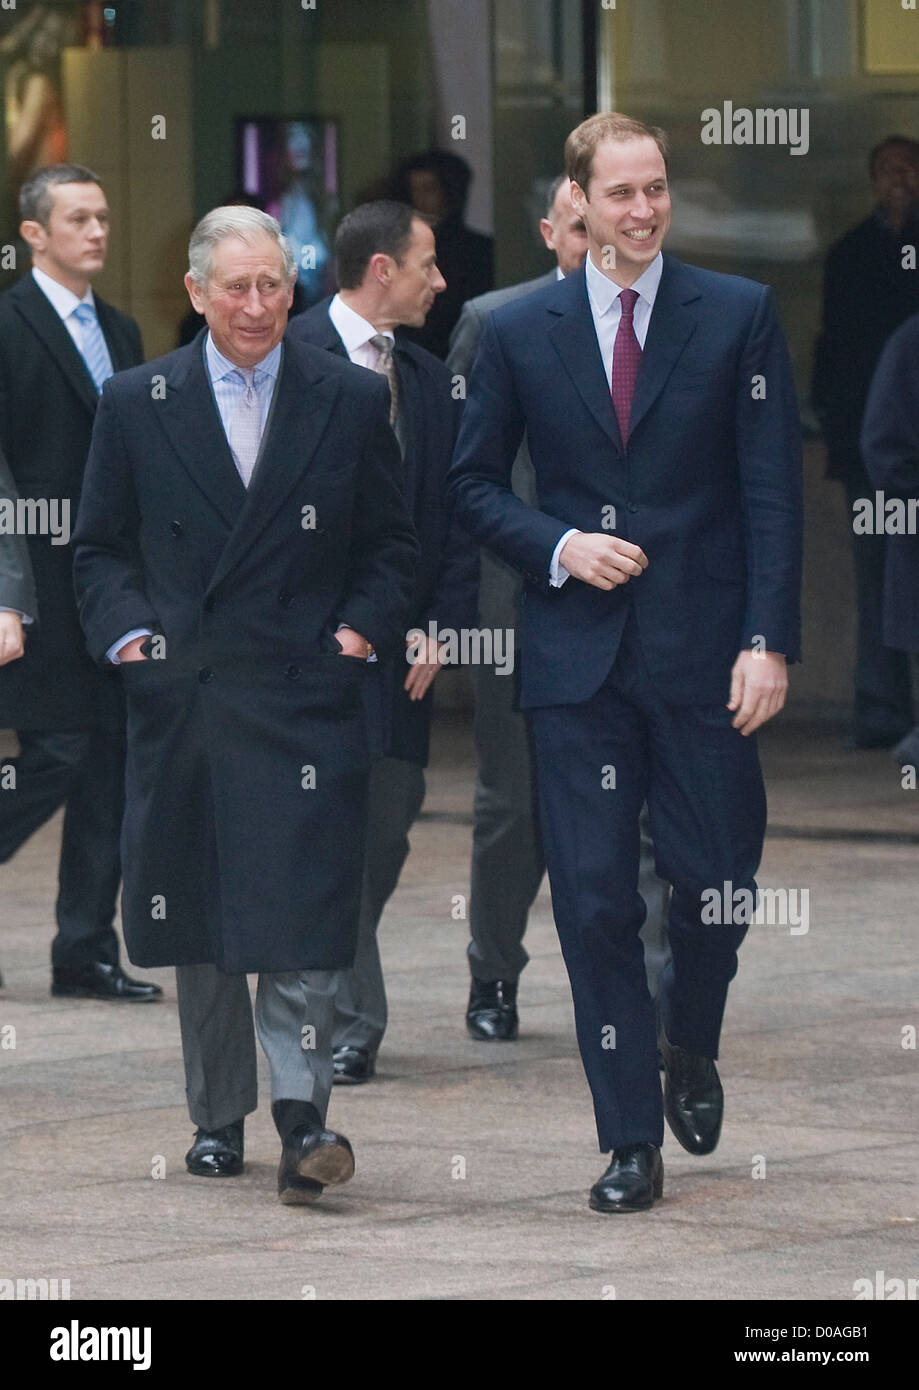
pixel 246 427
pixel 387 367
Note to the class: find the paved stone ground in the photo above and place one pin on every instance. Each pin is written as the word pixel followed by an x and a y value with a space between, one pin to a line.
pixel 474 1160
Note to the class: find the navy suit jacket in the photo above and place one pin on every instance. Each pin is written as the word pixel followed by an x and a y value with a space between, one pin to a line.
pixel 709 485
pixel 446 579
pixel 890 447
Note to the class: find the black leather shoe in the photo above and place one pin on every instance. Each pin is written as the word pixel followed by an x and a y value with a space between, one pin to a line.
pixel 633 1180
pixel 351 1066
pixel 217 1153
pixel 693 1098
pixel 491 1014
pixel 312 1159
pixel 101 981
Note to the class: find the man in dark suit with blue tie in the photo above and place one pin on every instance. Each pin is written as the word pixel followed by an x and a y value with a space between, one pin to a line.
pixel 662 566
pixel 59 343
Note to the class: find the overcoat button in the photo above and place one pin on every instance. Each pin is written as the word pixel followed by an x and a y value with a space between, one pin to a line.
pixel 632 507
pixel 292 673
pixel 205 674
pixel 175 527
pixel 285 599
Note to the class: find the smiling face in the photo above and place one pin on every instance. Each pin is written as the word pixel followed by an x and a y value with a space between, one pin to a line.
pixel 72 247
pixel 626 206
pixel 245 299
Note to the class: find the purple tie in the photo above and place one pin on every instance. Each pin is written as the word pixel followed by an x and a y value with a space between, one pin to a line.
pixel 626 357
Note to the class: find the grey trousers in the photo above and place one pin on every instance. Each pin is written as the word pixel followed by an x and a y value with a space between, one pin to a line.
pixel 507 858
pixel 293 1019
pixel 396 795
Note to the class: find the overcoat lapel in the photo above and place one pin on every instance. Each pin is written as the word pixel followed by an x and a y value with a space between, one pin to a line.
pixel 305 400
pixel 189 415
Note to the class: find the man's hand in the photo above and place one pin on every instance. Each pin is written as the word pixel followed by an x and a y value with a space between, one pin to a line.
pixel 131 651
pixel 759 684
pixel 425 657
pixel 352 643
pixel 12 641
pixel 603 561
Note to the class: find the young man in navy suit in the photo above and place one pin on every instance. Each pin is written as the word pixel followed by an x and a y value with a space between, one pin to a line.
pixel 662 566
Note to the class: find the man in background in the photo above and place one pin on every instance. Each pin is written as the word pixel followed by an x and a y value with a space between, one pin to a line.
pixel 389 277
pixel 869 290
pixel 507 856
pixel 437 184
pixel 59 343
pixel 890 448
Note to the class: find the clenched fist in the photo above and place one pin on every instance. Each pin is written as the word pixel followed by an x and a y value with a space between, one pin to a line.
pixel 604 561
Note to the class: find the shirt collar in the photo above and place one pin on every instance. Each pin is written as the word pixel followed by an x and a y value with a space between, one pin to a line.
pixel 604 292
pixel 63 300
pixel 219 366
pixel 354 331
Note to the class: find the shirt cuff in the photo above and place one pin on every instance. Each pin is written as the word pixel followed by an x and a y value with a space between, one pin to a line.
pixel 24 616
pixel 112 653
pixel 557 572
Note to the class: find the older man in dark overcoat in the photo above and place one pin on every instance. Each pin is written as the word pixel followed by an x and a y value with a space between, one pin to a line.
pixel 242 550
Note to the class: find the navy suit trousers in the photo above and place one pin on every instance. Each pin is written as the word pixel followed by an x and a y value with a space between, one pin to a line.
pixel 597 763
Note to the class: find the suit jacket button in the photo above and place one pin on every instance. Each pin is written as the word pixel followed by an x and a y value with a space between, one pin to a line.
pixel 175 527
pixel 205 674
pixel 285 599
pixel 292 673
pixel 632 507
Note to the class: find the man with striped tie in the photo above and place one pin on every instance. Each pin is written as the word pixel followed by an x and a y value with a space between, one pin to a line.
pixel 662 563
pixel 58 344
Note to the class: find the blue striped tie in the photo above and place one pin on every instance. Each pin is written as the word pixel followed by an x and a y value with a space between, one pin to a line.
pixel 95 350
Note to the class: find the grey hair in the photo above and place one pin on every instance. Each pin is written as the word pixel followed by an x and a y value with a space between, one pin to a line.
pixel 239 221
pixel 35 197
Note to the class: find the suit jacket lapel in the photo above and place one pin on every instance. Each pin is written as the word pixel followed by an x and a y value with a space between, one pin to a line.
pixel 191 420
pixel 411 414
pixel 114 337
pixel 672 324
pixel 44 320
pixel 574 338
pixel 304 398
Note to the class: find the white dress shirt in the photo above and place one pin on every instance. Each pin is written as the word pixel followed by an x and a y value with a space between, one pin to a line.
pixel 64 301
pixel 355 332
pixel 606 309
